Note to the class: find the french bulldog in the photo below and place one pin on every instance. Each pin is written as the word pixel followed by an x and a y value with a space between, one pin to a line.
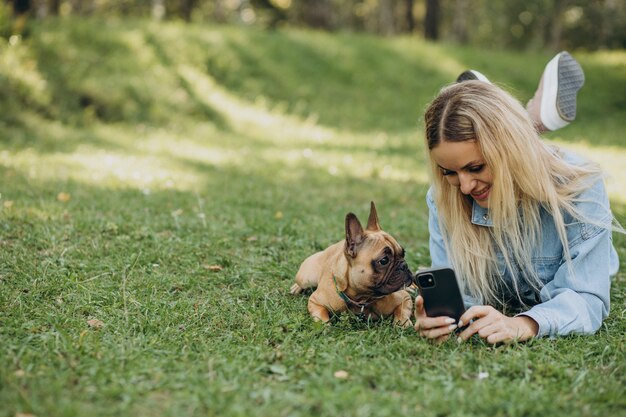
pixel 365 273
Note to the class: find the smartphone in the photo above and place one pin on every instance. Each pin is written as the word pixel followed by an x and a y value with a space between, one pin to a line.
pixel 440 290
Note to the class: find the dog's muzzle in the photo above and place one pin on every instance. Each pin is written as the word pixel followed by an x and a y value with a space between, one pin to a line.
pixel 397 278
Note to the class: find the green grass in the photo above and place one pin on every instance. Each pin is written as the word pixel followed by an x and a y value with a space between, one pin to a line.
pixel 182 148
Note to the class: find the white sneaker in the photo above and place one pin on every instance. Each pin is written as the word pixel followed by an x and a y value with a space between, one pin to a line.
pixel 554 103
pixel 472 75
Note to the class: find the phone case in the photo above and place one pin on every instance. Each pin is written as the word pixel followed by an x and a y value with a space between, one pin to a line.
pixel 444 297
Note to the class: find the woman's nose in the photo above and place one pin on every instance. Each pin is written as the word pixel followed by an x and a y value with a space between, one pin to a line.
pixel 466 183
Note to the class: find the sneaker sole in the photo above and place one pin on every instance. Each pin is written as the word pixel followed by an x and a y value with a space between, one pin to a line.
pixel 470 75
pixel 563 78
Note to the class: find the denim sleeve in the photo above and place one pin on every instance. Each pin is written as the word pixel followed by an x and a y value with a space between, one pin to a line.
pixel 577 299
pixel 438 254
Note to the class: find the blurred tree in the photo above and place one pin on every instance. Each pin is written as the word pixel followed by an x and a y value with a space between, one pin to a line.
pixel 410 19
pixel 595 24
pixel 316 14
pixel 431 21
pixel 158 9
pixel 54 7
pixel 21 7
pixel 186 9
pixel 533 24
pixel 219 12
pixel 459 22
pixel 274 13
pixel 555 24
pixel 21 10
pixel 386 22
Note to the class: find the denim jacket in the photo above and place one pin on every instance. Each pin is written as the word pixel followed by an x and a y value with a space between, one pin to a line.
pixel 567 303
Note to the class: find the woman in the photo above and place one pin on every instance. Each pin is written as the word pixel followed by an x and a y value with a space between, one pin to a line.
pixel 525 225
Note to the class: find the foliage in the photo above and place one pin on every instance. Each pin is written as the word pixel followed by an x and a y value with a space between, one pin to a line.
pixel 531 24
pixel 5 21
pixel 161 183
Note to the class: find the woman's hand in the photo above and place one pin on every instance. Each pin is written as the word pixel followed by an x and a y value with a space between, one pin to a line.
pixel 436 328
pixel 495 327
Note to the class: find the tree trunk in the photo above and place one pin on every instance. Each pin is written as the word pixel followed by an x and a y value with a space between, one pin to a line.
pixel 187 9
pixel 459 22
pixel 21 7
pixel 55 7
pixel 317 14
pixel 158 9
pixel 556 25
pixel 410 20
pixel 385 17
pixel 607 28
pixel 219 14
pixel 21 11
pixel 431 20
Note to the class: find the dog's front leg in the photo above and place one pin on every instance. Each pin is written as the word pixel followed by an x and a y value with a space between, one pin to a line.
pixel 317 310
pixel 320 305
pixel 399 304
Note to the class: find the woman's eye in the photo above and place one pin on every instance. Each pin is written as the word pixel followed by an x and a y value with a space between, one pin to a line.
pixel 384 261
pixel 477 168
pixel 447 172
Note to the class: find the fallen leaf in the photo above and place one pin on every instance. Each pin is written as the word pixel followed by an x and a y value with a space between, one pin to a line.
pixel 252 239
pixel 213 268
pixel 63 197
pixel 341 374
pixel 95 323
pixel 24 415
pixel 19 373
pixel 278 215
pixel 8 204
pixel 177 213
pixel 278 369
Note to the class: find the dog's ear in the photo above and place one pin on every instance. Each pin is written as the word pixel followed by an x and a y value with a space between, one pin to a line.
pixel 372 221
pixel 354 234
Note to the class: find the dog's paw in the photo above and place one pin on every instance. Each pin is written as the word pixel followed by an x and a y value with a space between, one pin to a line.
pixel 296 289
pixel 405 324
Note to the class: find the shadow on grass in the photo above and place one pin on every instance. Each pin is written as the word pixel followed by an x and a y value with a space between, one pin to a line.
pixel 207 112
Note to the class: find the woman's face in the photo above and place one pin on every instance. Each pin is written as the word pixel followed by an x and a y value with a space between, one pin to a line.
pixel 463 166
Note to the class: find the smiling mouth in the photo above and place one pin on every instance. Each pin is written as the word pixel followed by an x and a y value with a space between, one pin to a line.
pixel 482 194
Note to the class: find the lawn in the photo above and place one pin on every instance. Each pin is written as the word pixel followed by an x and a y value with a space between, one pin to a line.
pixel 160 185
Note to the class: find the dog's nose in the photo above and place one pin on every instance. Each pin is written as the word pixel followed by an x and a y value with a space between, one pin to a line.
pixel 404 267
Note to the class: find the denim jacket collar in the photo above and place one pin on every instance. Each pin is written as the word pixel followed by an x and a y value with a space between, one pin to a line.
pixel 480 215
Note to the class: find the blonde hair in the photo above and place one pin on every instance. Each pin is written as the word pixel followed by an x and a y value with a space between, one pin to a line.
pixel 528 175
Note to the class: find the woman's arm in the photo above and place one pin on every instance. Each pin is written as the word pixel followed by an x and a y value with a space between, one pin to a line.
pixel 577 299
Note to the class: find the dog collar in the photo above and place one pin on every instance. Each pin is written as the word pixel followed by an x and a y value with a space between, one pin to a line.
pixel 349 301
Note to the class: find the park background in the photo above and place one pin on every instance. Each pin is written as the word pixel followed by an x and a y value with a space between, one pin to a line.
pixel 166 165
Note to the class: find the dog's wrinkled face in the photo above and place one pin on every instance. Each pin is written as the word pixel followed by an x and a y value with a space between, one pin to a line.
pixel 377 265
pixel 389 269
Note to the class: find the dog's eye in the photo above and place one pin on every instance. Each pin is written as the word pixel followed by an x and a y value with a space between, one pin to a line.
pixel 384 261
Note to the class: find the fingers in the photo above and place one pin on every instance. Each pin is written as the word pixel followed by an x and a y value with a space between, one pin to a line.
pixel 495 327
pixel 438 332
pixel 419 307
pixel 475 312
pixel 427 323
pixel 499 337
pixel 482 320
pixel 437 328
